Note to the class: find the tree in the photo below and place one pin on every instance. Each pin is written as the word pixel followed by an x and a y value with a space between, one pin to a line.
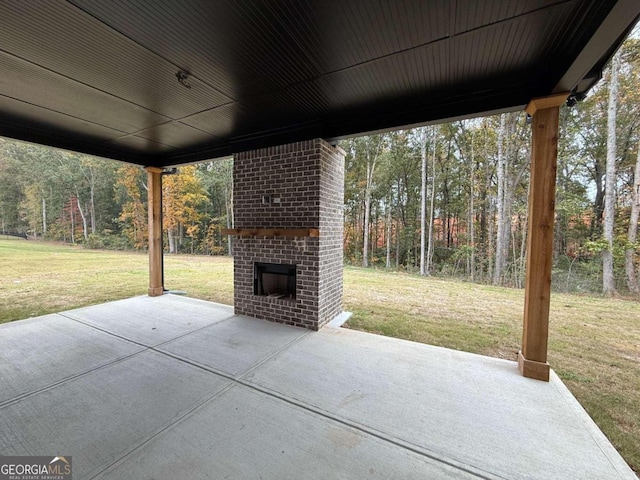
pixel 133 215
pixel 183 200
pixel 31 211
pixel 423 198
pixel 513 144
pixel 217 180
pixel 372 147
pixel 630 250
pixel 429 261
pixel 501 238
pixel 608 278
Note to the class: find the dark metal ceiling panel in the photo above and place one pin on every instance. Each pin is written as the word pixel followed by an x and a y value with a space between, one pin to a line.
pixel 79 47
pixel 471 14
pixel 298 103
pixel 76 73
pixel 220 121
pixel 24 81
pixel 248 47
pixel 23 114
pixel 238 47
pixel 342 34
pixel 512 47
pixel 133 143
pixel 413 71
pixel 176 134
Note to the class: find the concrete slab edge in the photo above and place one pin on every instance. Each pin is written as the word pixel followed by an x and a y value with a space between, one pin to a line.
pixel 598 436
pixel 352 331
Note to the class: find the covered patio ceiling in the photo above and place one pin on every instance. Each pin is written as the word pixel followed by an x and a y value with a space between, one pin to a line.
pixel 164 83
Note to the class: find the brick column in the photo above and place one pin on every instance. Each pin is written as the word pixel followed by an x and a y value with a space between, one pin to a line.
pixel 294 186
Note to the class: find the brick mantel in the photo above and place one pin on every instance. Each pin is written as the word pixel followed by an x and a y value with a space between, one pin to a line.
pixel 272 232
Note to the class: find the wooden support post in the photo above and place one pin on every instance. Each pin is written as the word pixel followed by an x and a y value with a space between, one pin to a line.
pixel 154 183
pixel 532 359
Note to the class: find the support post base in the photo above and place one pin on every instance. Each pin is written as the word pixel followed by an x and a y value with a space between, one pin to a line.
pixel 156 291
pixel 533 369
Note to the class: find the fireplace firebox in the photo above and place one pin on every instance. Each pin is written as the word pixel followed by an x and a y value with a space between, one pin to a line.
pixel 274 280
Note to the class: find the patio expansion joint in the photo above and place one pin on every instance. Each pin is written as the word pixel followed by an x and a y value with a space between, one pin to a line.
pixel 228 376
pixel 233 381
pixel 158 347
pixel 239 380
pixel 122 337
pixel 192 411
pixel 272 355
pixel 70 378
pixel 437 457
pixel 145 348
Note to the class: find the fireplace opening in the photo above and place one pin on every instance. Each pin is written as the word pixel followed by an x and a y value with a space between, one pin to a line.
pixel 274 280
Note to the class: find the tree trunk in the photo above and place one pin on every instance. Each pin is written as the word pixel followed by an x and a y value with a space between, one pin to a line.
pixel 85 231
pixel 598 203
pixel 356 235
pixel 172 241
pixel 490 236
pixel 44 216
pixel 523 242
pixel 608 279
pixel 398 246
pixel 91 180
pixel 374 234
pixel 423 200
pixel 92 206
pixel 389 231
pixel 498 267
pixel 365 230
pixel 429 261
pixel 472 223
pixel 486 216
pixel 73 222
pixel 630 251
pixel 372 158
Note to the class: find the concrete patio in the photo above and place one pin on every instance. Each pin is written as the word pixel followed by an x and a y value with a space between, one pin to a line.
pixel 172 387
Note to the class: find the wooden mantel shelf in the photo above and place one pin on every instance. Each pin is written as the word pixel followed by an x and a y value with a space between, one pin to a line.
pixel 272 232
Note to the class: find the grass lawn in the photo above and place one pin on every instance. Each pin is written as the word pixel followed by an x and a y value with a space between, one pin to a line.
pixel 594 342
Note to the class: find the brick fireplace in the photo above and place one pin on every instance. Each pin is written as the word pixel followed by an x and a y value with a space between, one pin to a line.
pixel 288 213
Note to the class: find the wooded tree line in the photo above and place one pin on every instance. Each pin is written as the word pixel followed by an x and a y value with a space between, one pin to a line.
pixel 446 200
pixel 74 198
pixel 452 199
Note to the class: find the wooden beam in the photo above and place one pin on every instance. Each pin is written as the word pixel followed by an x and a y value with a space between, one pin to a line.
pixel 532 360
pixel 272 232
pixel 546 102
pixel 154 184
